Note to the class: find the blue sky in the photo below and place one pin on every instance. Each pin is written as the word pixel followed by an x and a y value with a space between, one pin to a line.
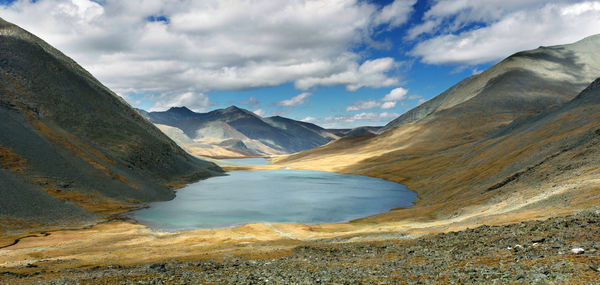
pixel 337 63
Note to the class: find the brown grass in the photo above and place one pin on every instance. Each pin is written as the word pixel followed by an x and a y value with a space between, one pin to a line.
pixel 85 152
pixel 451 168
pixel 12 161
pixel 92 202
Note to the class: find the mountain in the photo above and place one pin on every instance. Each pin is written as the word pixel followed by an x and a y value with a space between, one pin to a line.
pixel 70 149
pixel 236 132
pixel 517 141
pixel 524 83
pixel 356 131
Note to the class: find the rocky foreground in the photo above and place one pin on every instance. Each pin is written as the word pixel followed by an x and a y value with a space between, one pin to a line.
pixel 557 250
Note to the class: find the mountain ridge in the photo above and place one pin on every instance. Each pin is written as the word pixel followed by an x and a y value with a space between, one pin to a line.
pixel 237 132
pixel 548 60
pixel 513 146
pixel 71 148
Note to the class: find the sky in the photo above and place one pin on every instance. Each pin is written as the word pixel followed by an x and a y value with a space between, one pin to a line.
pixel 336 63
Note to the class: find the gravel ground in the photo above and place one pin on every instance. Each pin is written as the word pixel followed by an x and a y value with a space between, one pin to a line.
pixel 558 250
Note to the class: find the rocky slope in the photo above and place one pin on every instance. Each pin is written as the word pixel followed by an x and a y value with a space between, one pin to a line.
pixel 516 143
pixel 235 132
pixel 561 250
pixel 515 140
pixel 70 149
pixel 524 83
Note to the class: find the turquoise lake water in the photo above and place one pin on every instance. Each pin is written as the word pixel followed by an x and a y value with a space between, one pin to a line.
pixel 278 196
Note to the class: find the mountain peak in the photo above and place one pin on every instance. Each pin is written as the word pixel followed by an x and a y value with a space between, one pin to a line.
pixel 180 110
pixel 234 108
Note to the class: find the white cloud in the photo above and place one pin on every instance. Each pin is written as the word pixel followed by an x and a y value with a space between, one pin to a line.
pixel 396 13
pixel 511 26
pixel 363 105
pixel 386 115
pixel 371 73
pixel 449 16
pixel 260 112
pixel 295 101
pixel 197 102
pixel 389 101
pixel 423 28
pixel 476 71
pixel 215 45
pixel 396 94
pixel 365 118
pixel 309 119
pixel 388 105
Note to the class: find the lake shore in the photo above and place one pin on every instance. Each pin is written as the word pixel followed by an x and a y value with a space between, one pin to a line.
pixel 118 244
pixel 562 249
pixel 275 196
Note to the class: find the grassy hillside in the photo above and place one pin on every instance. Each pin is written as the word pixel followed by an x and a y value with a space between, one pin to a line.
pixel 70 148
pixel 516 141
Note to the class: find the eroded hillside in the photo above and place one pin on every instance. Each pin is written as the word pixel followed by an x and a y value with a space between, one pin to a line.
pixel 236 132
pixel 516 141
pixel 70 149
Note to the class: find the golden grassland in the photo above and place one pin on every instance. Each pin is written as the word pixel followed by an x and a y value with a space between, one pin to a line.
pixel 454 178
pixel 454 174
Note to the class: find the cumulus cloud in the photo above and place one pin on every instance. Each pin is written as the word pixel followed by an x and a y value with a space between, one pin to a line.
pixel 510 26
pixel 363 105
pixel 173 46
pixel 396 13
pixel 197 102
pixel 452 15
pixel 365 118
pixel 396 94
pixel 371 73
pixel 388 105
pixel 389 101
pixel 295 101
pixel 260 112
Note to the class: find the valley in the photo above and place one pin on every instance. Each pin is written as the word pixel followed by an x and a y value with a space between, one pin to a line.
pixel 506 157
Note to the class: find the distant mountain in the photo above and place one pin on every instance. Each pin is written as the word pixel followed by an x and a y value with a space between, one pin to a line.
pixel 236 132
pixel 70 149
pixel 518 141
pixel 356 131
pixel 525 83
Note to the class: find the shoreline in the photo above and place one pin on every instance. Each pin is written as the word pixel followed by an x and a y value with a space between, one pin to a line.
pixel 526 252
pixel 119 242
pixel 235 225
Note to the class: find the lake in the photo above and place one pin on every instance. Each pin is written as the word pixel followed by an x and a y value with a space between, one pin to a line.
pixel 278 196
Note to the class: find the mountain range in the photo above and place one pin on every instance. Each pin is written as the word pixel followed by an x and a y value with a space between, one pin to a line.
pixel 518 140
pixel 236 132
pixel 70 149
